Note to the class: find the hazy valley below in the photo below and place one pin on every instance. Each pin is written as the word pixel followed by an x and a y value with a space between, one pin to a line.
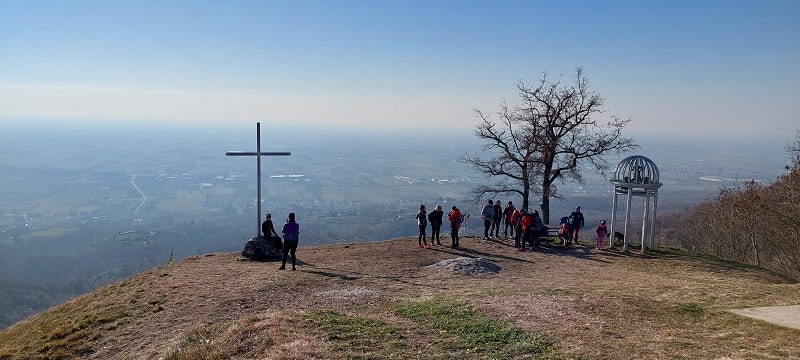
pixel 82 207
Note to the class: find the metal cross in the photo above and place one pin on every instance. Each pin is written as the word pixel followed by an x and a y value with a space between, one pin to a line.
pixel 258 154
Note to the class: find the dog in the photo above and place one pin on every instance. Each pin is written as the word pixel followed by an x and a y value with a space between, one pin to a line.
pixel 619 236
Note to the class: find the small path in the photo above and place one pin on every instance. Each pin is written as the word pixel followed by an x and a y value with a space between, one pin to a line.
pixel 144 197
pixel 788 316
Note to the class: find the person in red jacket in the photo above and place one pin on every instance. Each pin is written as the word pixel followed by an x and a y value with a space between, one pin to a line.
pixel 527 228
pixel 602 232
pixel 456 219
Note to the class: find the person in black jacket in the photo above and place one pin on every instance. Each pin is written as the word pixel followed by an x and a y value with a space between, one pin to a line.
pixel 268 229
pixel 435 219
pixel 487 214
pixel 422 223
pixel 497 219
pixel 576 220
pixel 508 212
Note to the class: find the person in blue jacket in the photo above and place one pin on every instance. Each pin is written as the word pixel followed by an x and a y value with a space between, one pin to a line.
pixel 291 237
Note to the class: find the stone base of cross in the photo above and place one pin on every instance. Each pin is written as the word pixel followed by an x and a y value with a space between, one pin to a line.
pixel 258 154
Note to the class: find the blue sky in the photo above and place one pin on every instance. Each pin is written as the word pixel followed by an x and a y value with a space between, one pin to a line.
pixel 676 67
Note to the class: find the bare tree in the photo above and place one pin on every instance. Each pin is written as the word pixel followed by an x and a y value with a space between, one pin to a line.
pixel 751 223
pixel 541 141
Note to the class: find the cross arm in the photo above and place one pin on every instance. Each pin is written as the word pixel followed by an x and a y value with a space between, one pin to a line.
pixel 253 153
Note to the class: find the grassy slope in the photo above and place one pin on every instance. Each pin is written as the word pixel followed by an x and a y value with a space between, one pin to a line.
pixel 381 300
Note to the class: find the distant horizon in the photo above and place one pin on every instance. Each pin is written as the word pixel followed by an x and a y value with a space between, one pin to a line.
pixel 763 155
pixel 268 127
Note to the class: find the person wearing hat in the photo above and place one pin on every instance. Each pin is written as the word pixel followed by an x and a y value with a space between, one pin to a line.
pixel 576 220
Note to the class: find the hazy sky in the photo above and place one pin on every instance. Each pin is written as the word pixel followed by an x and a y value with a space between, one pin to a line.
pixel 728 66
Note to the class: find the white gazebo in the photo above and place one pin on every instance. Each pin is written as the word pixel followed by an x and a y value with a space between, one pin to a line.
pixel 636 176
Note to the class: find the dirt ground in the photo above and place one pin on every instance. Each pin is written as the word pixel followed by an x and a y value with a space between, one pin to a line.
pixel 596 304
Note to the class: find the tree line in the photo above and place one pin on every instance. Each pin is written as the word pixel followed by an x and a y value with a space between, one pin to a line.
pixel 752 223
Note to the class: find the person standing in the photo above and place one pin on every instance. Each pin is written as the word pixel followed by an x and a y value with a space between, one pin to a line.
pixel 422 223
pixel 435 219
pixel 291 237
pixel 518 216
pixel 527 229
pixel 498 217
pixel 508 213
pixel 487 214
pixel 602 232
pixel 537 228
pixel 576 220
pixel 456 219
pixel 516 219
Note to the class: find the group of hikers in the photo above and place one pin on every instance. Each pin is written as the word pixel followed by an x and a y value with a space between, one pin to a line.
pixel 287 245
pixel 436 219
pixel 525 227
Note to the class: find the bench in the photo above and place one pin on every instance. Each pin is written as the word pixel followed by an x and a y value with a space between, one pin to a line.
pixel 552 230
pixel 552 234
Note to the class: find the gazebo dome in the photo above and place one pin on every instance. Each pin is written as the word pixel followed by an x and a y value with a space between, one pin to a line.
pixel 636 171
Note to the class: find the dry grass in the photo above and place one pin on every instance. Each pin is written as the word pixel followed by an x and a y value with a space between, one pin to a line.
pixel 352 301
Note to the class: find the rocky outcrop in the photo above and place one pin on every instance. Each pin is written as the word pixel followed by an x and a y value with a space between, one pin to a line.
pixel 259 248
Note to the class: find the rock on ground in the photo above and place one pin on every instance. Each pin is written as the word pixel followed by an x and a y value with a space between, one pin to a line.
pixel 260 249
pixel 468 266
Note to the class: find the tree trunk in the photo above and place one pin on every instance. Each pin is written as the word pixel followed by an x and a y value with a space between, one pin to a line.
pixel 546 209
pixel 546 183
pixel 526 194
pixel 526 186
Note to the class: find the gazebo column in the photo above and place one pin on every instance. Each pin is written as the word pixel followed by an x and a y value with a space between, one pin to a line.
pixel 627 219
pixel 613 216
pixel 653 223
pixel 645 220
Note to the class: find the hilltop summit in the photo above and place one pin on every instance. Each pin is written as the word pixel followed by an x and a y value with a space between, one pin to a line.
pixel 384 300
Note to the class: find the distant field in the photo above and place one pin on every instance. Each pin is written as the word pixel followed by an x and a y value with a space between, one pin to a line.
pixel 182 201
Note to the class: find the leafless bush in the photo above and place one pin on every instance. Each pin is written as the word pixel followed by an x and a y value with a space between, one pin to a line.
pixel 751 223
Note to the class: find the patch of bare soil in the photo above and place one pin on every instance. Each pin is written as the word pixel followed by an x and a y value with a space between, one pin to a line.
pixel 594 304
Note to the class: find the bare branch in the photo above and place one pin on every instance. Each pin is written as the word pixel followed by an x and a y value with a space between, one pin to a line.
pixel 545 138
